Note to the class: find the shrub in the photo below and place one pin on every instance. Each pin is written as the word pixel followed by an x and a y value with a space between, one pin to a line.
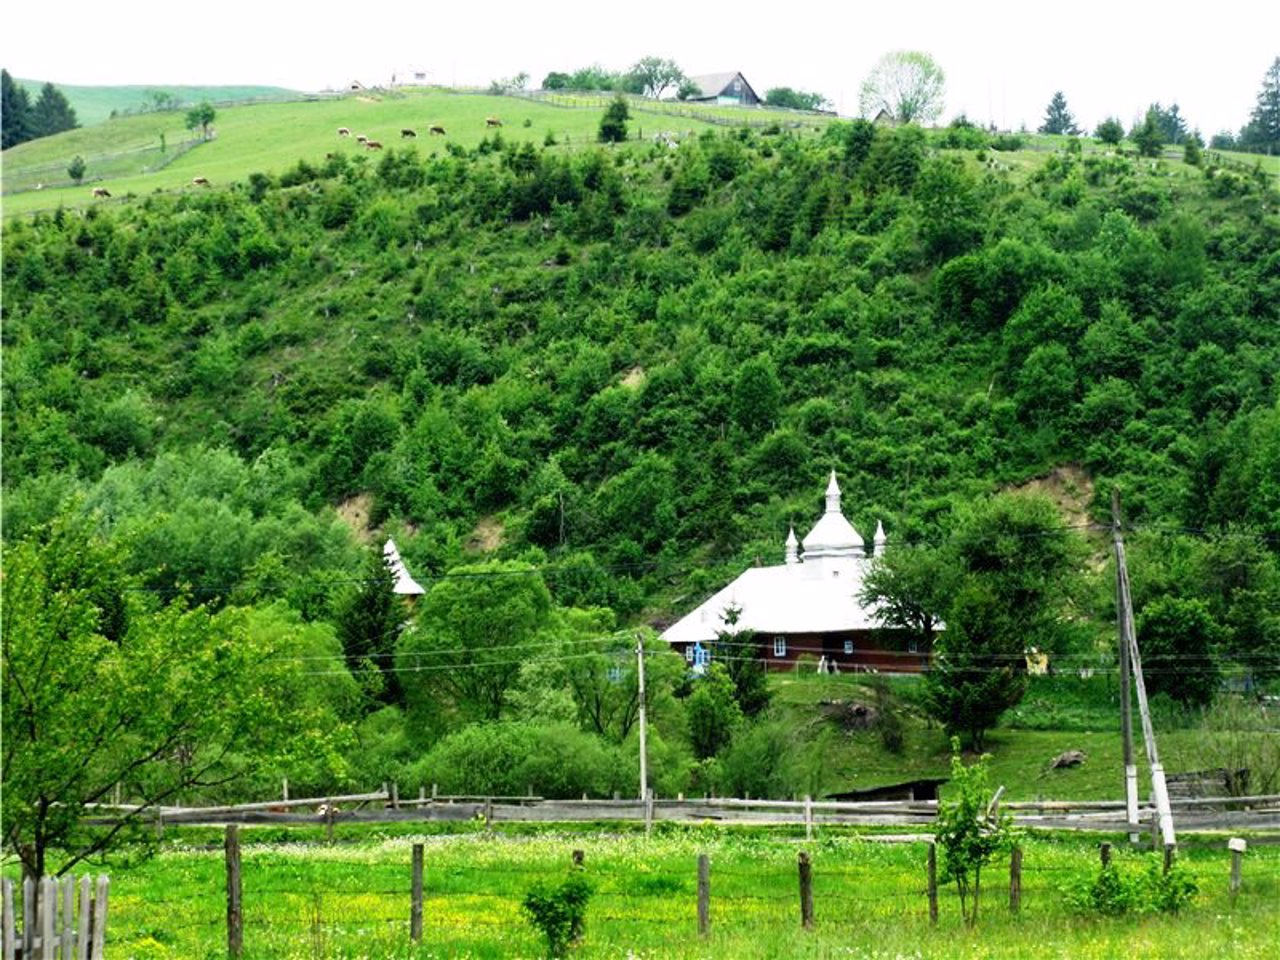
pixel 1114 893
pixel 559 912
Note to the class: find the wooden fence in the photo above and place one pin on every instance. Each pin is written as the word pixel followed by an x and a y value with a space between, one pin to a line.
pixel 62 919
pixel 1255 813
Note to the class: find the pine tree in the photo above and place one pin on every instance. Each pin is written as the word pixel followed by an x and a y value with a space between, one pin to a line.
pixel 15 112
pixel 613 126
pixel 1058 119
pixel 1262 133
pixel 368 623
pixel 52 113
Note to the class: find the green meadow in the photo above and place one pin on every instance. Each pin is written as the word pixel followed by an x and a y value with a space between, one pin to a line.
pixel 153 152
pixel 94 104
pixel 352 899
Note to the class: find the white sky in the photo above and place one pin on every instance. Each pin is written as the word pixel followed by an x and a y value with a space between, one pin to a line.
pixel 1003 59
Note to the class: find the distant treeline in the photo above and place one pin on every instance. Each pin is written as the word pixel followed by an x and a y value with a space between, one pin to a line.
pixel 22 120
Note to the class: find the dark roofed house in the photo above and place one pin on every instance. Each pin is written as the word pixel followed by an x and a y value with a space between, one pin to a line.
pixel 729 88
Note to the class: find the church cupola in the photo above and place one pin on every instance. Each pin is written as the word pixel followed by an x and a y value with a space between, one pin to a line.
pixel 833 535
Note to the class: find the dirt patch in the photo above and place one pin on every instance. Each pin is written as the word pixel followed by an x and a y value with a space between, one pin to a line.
pixel 1071 490
pixel 486 537
pixel 635 378
pixel 355 514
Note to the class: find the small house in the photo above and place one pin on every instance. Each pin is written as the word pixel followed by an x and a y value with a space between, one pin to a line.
pixel 807 606
pixel 723 88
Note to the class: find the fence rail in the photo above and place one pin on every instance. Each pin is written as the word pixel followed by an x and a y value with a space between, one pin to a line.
pixel 1259 813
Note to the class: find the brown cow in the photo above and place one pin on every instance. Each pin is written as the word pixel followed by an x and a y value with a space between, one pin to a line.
pixel 344 131
pixel 101 192
pixel 492 122
pixel 436 129
pixel 362 138
pixel 372 145
pixel 407 133
pixel 200 181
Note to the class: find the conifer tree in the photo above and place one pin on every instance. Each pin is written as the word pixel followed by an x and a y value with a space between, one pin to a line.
pixel 1057 118
pixel 15 112
pixel 52 113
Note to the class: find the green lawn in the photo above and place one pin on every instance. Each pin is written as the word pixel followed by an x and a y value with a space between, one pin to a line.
pixel 93 104
pixel 352 900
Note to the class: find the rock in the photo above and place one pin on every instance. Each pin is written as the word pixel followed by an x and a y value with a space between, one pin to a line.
pixel 1072 758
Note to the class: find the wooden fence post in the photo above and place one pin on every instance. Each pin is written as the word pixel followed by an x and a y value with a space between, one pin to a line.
pixel 648 812
pixel 704 895
pixel 806 891
pixel 86 916
pixel 933 882
pixel 48 911
pixel 1015 880
pixel 9 930
pixel 235 913
pixel 577 859
pixel 1237 847
pixel 1104 854
pixel 415 912
pixel 68 915
pixel 1168 857
pixel 284 789
pixel 100 919
pixel 395 795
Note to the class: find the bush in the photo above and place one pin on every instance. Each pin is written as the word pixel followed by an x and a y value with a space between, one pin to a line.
pixel 559 912
pixel 1113 893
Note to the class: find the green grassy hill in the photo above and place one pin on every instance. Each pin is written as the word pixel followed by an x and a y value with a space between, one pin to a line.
pixel 93 104
pixel 145 153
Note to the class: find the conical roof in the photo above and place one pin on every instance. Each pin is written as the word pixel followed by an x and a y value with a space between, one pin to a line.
pixel 405 584
pixel 833 535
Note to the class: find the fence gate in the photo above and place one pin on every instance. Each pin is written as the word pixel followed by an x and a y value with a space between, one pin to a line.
pixel 61 919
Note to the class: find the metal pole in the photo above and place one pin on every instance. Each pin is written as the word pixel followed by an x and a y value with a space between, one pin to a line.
pixel 644 757
pixel 1126 685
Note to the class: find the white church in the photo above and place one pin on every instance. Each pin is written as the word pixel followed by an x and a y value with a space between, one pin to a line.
pixel 806 606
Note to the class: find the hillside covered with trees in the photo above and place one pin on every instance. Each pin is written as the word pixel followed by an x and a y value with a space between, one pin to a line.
pixel 582 389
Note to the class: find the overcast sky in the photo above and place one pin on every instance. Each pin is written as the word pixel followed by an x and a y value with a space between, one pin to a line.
pixel 1003 59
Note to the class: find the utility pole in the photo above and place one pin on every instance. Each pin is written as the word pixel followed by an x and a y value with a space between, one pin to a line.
pixel 644 757
pixel 1159 789
pixel 1126 682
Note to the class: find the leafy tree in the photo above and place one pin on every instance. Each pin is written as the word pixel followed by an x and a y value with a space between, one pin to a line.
pixel 201 116
pixel 1149 136
pixel 52 113
pixel 791 99
pixel 654 76
pixel 907 84
pixel 744 661
pixel 1057 118
pixel 613 125
pixel 1179 642
pixel 474 631
pixel 979 666
pixel 757 395
pixel 555 81
pixel 969 831
pixel 714 714
pixel 1110 131
pixel 76 168
pixel 559 912
pixel 911 587
pixel 15 112
pixel 101 688
pixel 1262 133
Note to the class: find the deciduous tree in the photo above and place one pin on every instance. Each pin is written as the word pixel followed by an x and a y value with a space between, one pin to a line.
pixel 907 84
pixel 201 116
pixel 1110 131
pixel 654 76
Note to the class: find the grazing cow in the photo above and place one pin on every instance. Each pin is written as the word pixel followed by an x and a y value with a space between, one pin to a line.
pixel 406 133
pixel 436 129
pixel 362 138
pixel 344 131
pixel 101 192
pixel 492 122
pixel 200 181
pixel 372 145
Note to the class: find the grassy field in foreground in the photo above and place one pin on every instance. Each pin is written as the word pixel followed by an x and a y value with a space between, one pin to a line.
pixel 353 900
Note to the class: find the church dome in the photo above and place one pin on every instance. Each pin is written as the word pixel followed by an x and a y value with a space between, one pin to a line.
pixel 833 535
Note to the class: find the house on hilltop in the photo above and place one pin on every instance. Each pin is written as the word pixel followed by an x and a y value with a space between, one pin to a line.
pixel 723 88
pixel 808 605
